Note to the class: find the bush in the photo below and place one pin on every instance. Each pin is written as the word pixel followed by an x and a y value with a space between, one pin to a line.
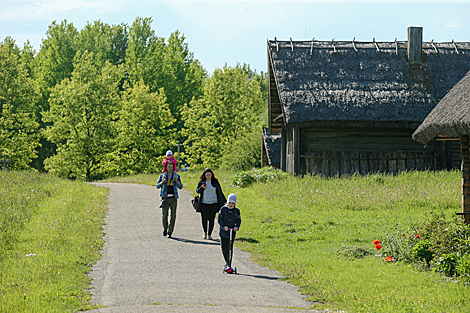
pixel 446 264
pixel 422 251
pixel 243 153
pixel 245 179
pixel 463 267
pixel 447 235
pixel 443 243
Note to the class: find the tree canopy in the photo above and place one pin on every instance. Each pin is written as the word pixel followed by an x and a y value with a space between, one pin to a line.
pixel 19 131
pixel 111 99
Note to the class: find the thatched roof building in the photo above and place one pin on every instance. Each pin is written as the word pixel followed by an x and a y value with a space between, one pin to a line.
pixel 451 116
pixel 348 106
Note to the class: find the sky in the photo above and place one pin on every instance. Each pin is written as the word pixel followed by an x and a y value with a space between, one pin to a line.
pixel 221 32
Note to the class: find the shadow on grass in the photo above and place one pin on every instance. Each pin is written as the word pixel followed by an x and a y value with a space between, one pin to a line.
pixel 249 240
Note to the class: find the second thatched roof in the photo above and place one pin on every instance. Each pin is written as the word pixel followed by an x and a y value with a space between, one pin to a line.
pixel 450 117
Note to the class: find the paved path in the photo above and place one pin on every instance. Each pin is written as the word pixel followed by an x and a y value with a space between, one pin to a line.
pixel 142 271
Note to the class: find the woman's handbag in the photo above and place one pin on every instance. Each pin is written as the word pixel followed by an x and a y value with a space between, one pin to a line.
pixel 195 202
pixel 163 203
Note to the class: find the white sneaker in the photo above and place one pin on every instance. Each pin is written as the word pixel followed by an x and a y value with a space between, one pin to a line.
pixel 210 237
pixel 204 237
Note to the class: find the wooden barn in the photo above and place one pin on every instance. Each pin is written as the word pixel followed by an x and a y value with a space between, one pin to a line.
pixel 348 106
pixel 451 119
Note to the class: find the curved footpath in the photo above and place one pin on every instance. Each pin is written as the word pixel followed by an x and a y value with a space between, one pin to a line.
pixel 142 271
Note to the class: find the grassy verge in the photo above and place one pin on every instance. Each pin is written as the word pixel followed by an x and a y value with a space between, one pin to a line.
pixel 51 234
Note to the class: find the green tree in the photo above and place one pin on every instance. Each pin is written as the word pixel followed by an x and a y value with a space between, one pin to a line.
pixel 170 66
pixel 19 135
pixel 229 110
pixel 27 57
pixel 82 113
pixel 53 63
pixel 118 38
pixel 144 130
pixel 243 153
pixel 144 55
pixel 95 37
pixel 183 75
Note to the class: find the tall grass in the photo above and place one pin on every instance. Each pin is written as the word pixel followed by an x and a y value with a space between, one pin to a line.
pixel 304 226
pixel 50 235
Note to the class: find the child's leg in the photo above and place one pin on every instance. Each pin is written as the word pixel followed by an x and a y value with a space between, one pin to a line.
pixel 225 245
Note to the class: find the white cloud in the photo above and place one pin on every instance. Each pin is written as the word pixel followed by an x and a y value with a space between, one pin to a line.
pixel 453 24
pixel 30 10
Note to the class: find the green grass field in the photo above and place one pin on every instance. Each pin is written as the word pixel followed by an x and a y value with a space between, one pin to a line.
pixel 306 228
pixel 50 235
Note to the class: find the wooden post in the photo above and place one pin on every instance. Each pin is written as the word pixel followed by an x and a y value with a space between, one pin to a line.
pixel 5 161
pixel 465 153
pixel 415 44
pixel 283 148
pixel 296 151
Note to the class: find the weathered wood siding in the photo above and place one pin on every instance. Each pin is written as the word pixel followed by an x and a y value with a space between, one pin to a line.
pixel 275 119
pixel 331 152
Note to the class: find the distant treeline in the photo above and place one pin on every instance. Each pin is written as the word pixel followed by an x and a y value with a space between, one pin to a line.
pixel 111 99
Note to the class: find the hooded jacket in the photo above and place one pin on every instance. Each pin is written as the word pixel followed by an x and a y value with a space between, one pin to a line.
pixel 230 218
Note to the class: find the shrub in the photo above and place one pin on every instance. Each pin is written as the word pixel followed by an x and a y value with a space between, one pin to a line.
pixel 463 267
pixel 422 251
pixel 446 264
pixel 443 243
pixel 447 235
pixel 265 174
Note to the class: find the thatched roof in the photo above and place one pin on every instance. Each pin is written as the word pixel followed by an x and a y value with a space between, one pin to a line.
pixel 363 81
pixel 450 117
pixel 272 143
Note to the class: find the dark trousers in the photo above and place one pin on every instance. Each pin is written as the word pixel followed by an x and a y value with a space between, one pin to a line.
pixel 225 245
pixel 208 212
pixel 170 205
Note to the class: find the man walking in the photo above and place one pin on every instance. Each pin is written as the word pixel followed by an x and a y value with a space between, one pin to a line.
pixel 169 182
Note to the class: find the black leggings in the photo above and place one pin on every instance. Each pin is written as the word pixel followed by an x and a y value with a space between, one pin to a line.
pixel 208 215
pixel 225 245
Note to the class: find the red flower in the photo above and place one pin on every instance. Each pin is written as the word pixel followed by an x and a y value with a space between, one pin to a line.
pixel 376 242
pixel 378 247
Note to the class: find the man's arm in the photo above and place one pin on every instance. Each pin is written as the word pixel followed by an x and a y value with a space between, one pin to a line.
pixel 179 183
pixel 160 181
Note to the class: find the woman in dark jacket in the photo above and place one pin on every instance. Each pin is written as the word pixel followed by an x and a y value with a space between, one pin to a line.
pixel 210 201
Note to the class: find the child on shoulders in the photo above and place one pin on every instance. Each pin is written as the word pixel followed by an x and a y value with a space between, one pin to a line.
pixel 169 157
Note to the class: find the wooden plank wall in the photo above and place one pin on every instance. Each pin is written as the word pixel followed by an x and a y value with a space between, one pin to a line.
pixel 274 110
pixel 465 153
pixel 331 152
pixel 289 151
